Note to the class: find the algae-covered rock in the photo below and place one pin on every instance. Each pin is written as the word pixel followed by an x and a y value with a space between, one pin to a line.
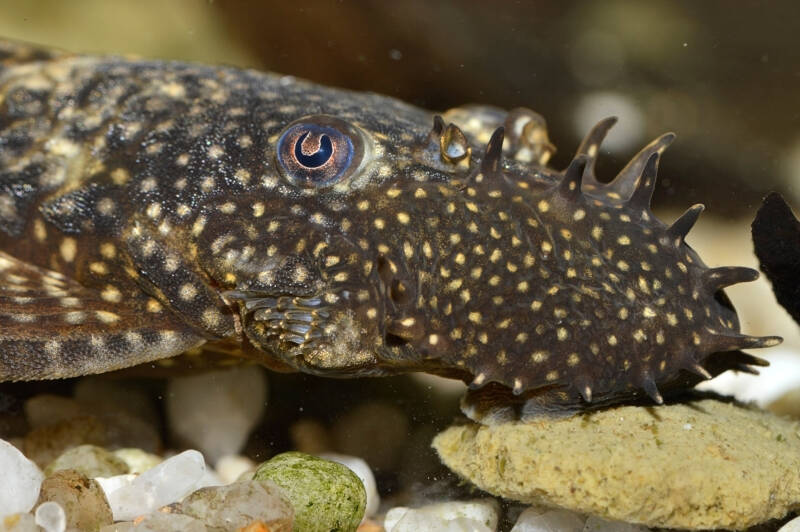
pixel 326 496
pixel 701 465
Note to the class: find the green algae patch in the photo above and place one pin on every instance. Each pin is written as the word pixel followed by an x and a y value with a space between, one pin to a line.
pixel 326 495
pixel 701 465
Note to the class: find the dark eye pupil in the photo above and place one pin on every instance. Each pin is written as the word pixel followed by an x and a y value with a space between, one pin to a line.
pixel 319 151
pixel 319 157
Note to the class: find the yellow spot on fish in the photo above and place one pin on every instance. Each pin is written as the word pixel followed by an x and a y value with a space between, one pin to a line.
pixel 68 249
pixel 106 317
pixel 39 231
pixel 99 268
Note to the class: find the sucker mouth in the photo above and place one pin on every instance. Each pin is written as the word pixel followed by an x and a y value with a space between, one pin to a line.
pixel 295 320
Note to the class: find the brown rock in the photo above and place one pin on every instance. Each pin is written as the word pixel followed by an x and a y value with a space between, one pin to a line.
pixel 82 499
pixel 46 443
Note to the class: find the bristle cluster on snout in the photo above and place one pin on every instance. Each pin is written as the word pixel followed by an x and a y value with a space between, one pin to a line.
pixel 613 303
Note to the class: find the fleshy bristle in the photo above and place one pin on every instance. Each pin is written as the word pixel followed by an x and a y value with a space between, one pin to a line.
pixel 650 388
pixel 492 159
pixel 625 183
pixel 732 341
pixel 586 393
pixel 749 360
pixel 718 278
pixel 438 127
pixel 681 227
pixel 570 185
pixel 643 193
pixel 744 368
pixel 590 146
pixel 699 370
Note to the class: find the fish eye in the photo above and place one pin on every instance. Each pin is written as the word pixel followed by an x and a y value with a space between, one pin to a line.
pixel 318 151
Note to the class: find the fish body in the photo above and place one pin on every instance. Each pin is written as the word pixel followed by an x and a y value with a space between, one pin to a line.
pixel 148 207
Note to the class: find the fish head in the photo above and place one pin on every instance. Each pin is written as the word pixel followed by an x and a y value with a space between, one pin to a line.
pixel 386 247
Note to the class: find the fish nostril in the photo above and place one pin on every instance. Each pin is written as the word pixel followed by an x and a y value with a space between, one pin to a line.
pixel 399 292
pixel 385 269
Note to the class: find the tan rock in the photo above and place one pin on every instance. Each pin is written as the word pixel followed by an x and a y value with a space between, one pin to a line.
pixel 701 465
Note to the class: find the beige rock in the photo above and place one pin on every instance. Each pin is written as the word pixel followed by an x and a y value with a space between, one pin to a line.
pixel 701 465
pixel 82 499
pixel 787 404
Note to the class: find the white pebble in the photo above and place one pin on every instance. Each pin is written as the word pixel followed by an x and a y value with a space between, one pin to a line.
pixel 216 411
pixel 19 523
pixel 232 466
pixel 210 478
pixel 21 480
pixel 109 484
pixel 455 516
pixel 362 471
pixel 596 524
pixel 168 482
pixel 533 520
pixel 791 526
pixel 50 516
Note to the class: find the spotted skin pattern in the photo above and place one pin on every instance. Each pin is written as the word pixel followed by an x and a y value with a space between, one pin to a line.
pixel 145 209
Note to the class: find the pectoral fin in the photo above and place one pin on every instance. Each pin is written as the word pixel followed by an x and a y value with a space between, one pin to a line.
pixel 53 327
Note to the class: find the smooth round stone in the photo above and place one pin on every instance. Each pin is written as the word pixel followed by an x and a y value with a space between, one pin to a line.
pixel 51 517
pixel 82 499
pixel 89 460
pixel 137 460
pixel 533 520
pixel 159 522
pixel 168 482
pixel 237 505
pixel 702 465
pixel 215 411
pixel 112 425
pixel 46 443
pixel 20 483
pixel 596 524
pixel 325 495
pixel 19 523
pixel 791 526
pixel 230 468
pixel 452 516
pixel 364 472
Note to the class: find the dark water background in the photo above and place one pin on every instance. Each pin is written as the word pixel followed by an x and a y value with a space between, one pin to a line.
pixel 724 75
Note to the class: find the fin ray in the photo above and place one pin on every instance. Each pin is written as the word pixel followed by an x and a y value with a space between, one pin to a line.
pixel 52 327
